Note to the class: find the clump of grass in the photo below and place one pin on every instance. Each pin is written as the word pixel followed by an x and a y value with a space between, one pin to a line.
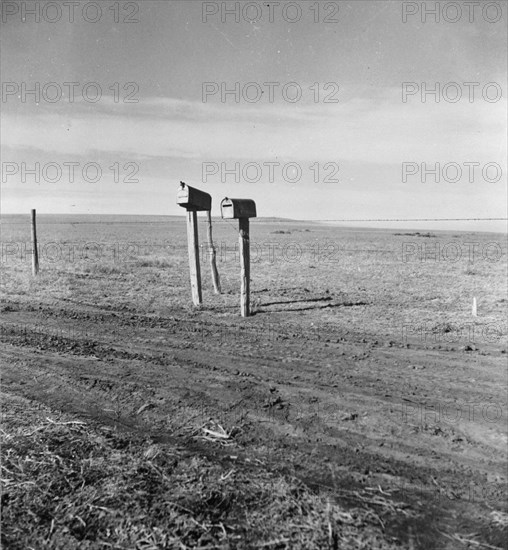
pixel 255 304
pixel 470 269
pixel 104 269
pixel 70 484
pixel 153 262
pixel 427 235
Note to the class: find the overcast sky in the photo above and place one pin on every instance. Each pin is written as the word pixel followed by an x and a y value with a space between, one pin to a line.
pixel 176 56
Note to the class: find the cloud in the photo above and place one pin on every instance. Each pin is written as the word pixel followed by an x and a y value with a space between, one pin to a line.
pixel 372 128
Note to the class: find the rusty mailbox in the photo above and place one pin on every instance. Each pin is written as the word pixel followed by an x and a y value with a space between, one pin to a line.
pixel 193 199
pixel 237 208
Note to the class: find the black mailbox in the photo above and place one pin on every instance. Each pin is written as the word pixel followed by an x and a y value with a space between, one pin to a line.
pixel 193 199
pixel 237 208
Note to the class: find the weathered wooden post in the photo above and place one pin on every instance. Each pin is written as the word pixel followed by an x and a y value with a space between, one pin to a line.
pixel 242 209
pixel 194 201
pixel 35 252
pixel 213 254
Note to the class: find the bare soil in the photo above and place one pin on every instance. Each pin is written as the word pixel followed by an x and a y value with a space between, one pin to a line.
pixel 329 385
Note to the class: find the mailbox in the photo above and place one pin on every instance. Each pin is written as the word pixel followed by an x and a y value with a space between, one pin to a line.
pixel 242 210
pixel 193 199
pixel 237 208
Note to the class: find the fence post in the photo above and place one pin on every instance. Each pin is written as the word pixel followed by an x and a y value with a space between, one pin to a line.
pixel 35 252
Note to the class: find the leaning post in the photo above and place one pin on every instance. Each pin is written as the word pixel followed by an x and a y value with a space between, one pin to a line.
pixel 213 254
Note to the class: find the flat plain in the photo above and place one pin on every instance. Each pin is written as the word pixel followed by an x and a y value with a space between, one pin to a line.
pixel 362 405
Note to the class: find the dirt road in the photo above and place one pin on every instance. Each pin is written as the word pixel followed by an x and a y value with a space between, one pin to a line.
pixel 304 390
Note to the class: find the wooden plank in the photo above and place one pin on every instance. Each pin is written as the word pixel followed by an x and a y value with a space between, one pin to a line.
pixel 193 246
pixel 35 252
pixel 213 254
pixel 244 266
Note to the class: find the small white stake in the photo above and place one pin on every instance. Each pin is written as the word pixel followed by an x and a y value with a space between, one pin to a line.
pixel 473 312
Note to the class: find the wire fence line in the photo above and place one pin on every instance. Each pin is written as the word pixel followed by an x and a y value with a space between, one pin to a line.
pixel 253 220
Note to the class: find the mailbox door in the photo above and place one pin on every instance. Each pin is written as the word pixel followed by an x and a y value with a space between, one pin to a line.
pixel 227 209
pixel 238 208
pixel 193 199
pixel 182 197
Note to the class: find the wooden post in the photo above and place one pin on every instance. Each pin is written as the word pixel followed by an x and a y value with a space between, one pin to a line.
pixel 213 254
pixel 35 252
pixel 195 271
pixel 241 210
pixel 245 266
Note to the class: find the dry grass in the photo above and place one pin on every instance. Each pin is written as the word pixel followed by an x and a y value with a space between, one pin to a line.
pixel 70 484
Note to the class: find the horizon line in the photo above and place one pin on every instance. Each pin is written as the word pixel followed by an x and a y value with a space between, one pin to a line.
pixel 289 220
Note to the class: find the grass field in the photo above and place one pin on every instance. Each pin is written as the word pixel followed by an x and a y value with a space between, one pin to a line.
pixel 360 406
